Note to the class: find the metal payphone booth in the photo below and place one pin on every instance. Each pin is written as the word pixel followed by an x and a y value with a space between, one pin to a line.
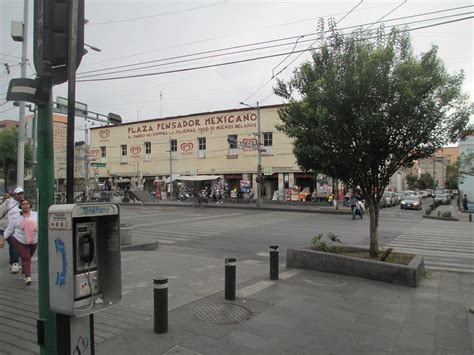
pixel 84 263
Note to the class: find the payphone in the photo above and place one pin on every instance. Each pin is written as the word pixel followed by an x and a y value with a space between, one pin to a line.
pixel 84 258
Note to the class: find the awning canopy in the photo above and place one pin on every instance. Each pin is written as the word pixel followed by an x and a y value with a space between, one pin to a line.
pixel 198 178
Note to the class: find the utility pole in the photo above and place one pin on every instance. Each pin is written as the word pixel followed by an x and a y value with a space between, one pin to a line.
pixel 86 164
pixel 259 158
pixel 259 202
pixel 20 174
pixel 171 172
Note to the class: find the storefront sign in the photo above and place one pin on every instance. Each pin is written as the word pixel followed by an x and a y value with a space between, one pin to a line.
pixel 198 125
pixel 187 147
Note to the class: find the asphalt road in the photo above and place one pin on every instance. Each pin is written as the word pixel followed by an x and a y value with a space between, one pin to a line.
pixel 247 234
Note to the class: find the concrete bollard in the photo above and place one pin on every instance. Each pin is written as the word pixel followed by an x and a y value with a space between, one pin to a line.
pixel 230 266
pixel 160 304
pixel 274 262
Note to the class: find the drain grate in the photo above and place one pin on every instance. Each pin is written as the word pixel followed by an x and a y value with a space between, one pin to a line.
pixel 222 313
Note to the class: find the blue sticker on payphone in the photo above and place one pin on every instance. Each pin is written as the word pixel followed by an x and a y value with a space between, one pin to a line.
pixel 61 276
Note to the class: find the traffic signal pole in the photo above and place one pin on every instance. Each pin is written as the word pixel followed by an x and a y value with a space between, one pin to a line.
pixel 47 328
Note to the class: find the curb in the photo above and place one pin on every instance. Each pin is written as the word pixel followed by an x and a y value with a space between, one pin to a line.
pixel 279 209
pixel 451 219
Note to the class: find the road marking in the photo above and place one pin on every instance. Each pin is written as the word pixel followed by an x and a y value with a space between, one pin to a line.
pixel 290 273
pixel 263 253
pixel 187 220
pixel 252 289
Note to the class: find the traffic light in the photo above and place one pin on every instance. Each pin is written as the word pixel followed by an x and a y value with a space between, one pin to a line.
pixel 259 169
pixel 51 37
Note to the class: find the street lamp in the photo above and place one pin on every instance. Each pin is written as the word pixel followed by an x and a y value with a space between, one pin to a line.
pixel 259 155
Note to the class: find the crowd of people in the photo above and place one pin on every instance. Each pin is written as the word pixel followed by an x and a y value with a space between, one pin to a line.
pixel 19 229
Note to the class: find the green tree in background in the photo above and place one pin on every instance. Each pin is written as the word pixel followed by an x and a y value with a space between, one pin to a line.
pixel 8 156
pixel 412 181
pixel 425 181
pixel 365 106
pixel 465 164
pixel 452 177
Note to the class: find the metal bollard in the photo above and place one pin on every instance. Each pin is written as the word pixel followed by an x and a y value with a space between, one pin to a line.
pixel 230 265
pixel 470 217
pixel 274 262
pixel 160 304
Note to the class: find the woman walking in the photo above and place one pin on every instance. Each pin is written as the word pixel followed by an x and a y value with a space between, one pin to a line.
pixel 24 234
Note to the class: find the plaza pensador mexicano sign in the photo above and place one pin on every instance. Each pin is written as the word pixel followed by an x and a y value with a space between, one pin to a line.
pixel 198 125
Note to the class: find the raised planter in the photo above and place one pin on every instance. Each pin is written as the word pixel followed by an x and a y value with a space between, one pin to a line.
pixel 126 234
pixel 406 275
pixel 452 219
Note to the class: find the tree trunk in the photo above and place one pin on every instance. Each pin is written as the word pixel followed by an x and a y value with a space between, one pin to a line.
pixel 374 221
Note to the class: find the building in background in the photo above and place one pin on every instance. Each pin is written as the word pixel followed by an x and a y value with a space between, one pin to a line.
pixel 466 183
pixel 437 164
pixel 213 143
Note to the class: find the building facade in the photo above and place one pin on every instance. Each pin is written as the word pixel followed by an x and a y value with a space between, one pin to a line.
pixel 437 164
pixel 220 143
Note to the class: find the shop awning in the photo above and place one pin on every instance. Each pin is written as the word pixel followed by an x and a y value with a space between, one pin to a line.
pixel 198 178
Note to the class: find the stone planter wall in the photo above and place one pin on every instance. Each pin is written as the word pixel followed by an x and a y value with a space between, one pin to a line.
pixel 407 275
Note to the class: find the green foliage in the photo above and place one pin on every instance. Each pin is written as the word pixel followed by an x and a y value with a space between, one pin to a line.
pixel 9 153
pixel 326 243
pixel 366 106
pixel 446 214
pixel 412 182
pixel 452 177
pixel 425 181
pixel 465 164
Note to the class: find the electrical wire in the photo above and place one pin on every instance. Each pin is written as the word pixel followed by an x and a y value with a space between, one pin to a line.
pixel 255 58
pixel 221 37
pixel 154 16
pixel 292 38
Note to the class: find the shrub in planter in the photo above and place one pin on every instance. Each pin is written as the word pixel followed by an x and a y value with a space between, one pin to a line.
pixel 446 214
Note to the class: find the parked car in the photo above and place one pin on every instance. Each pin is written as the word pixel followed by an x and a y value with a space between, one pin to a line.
pixel 411 202
pixel 444 199
pixel 386 199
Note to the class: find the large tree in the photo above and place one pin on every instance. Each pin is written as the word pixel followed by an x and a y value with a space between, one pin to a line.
pixel 365 106
pixel 9 154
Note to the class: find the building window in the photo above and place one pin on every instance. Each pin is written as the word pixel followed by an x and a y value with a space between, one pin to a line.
pixel 147 151
pixel 123 153
pixel 268 143
pixel 174 145
pixel 103 152
pixel 173 148
pixel 233 146
pixel 202 147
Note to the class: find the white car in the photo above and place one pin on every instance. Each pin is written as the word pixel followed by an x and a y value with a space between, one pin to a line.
pixel 411 202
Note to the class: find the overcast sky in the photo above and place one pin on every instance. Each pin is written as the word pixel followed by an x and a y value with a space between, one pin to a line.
pixel 130 32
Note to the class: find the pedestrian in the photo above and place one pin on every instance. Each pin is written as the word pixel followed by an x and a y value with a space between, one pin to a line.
pixel 358 209
pixel 11 213
pixel 23 232
pixel 464 203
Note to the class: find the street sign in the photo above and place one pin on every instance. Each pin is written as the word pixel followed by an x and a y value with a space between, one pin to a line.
pixel 268 170
pixel 98 165
pixel 63 101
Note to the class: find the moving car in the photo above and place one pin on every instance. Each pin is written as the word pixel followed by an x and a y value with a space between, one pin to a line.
pixel 442 198
pixel 411 202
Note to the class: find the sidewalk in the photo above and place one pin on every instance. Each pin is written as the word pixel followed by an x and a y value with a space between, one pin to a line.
pixel 304 312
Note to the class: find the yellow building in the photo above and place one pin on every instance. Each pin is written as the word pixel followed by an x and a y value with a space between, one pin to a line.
pixel 212 143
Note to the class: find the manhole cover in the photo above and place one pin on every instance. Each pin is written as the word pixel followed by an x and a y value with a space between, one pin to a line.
pixel 222 313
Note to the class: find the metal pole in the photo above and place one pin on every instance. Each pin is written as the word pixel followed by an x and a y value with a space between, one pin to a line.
pixel 20 172
pixel 230 266
pixel 45 183
pixel 71 109
pixel 35 141
pixel 160 304
pixel 259 159
pixel 274 264
pixel 171 173
pixel 86 164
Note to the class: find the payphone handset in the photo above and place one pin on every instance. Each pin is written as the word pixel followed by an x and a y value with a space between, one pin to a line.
pixel 84 257
pixel 86 273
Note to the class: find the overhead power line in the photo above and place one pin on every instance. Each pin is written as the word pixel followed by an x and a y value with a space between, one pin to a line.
pixel 252 46
pixel 157 15
pixel 249 59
